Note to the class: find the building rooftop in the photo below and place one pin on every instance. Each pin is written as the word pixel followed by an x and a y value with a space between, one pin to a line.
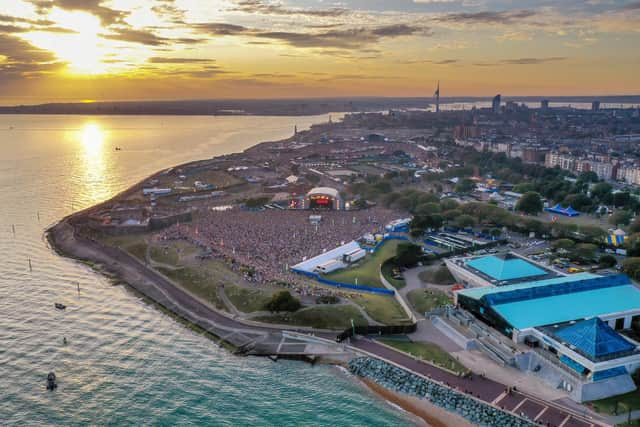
pixel 594 338
pixel 531 313
pixel 477 293
pixel 505 268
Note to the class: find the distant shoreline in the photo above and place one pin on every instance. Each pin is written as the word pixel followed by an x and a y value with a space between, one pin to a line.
pixel 281 107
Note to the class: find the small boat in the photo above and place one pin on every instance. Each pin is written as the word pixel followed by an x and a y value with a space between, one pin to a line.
pixel 60 306
pixel 118 149
pixel 51 381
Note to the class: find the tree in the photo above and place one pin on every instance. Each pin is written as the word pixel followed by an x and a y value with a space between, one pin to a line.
pixel 408 254
pixel 631 266
pixel 601 191
pixel 465 221
pixel 578 201
pixel 465 186
pixel 584 251
pixel 427 208
pixel 421 223
pixel 530 203
pixel 632 244
pixel 282 301
pixel 607 261
pixel 589 176
pixel 524 187
pixel 448 204
pixel 566 244
pixel 620 218
pixel 621 199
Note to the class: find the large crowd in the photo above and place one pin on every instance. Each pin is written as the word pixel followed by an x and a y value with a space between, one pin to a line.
pixel 263 245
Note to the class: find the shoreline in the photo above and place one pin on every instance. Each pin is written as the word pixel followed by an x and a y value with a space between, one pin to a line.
pixel 428 413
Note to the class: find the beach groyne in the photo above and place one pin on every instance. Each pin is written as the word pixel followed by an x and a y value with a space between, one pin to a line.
pixel 403 381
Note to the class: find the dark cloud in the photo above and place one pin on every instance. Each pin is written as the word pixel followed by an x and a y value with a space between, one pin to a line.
pixel 522 61
pixel 168 9
pixel 267 8
pixel 432 61
pixel 353 38
pixel 349 38
pixel 487 17
pixel 632 6
pixel 107 15
pixel 24 60
pixel 8 25
pixel 136 36
pixel 222 29
pixel 164 60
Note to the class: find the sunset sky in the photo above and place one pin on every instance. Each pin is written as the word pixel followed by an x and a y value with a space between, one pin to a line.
pixel 71 50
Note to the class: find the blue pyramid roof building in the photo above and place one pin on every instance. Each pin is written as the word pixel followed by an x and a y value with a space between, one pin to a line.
pixel 594 338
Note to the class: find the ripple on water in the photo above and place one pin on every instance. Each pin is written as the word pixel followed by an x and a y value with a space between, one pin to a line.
pixel 125 362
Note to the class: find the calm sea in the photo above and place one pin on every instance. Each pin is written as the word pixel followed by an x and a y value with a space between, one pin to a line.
pixel 125 362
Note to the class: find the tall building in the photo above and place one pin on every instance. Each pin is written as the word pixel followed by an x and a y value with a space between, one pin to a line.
pixel 437 95
pixel 595 106
pixel 466 132
pixel 544 104
pixel 495 104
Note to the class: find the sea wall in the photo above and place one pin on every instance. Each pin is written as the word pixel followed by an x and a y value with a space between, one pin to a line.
pixel 400 380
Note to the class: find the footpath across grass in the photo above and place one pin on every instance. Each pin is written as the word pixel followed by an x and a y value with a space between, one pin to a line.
pixel 429 352
pixel 381 308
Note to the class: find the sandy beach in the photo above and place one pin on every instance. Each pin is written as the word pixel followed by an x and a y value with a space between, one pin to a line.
pixel 430 414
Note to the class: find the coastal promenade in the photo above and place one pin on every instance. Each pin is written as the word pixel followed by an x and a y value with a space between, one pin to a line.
pixel 543 412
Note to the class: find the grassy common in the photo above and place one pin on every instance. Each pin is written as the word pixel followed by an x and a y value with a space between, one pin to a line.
pixel 625 402
pixel 381 308
pixel 196 282
pixel 367 271
pixel 437 275
pixel 423 300
pixel 246 300
pixel 428 352
pixel 323 317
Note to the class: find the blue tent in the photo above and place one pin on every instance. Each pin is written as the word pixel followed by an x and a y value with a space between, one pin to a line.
pixel 594 338
pixel 563 211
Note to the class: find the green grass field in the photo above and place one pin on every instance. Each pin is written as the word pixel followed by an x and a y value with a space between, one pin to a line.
pixel 437 275
pixel 367 271
pixel 246 300
pixel 135 244
pixel 423 300
pixel 381 308
pixel 197 282
pixel 324 317
pixel 429 352
pixel 171 253
pixel 387 272
pixel 625 402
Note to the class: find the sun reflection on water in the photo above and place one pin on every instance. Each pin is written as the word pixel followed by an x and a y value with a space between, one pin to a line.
pixel 93 140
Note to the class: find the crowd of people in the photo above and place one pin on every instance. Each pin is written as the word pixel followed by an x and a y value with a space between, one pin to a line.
pixel 263 245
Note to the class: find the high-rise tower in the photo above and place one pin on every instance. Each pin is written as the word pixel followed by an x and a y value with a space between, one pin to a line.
pixel 437 95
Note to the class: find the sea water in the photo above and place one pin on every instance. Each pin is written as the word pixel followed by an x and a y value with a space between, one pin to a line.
pixel 125 362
